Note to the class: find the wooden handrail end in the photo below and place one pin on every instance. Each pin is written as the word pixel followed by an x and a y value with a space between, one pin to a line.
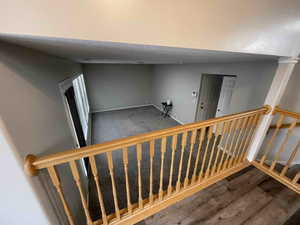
pixel 29 167
pixel 268 108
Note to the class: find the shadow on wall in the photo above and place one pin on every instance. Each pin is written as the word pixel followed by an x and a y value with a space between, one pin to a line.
pixel 30 79
pixel 32 108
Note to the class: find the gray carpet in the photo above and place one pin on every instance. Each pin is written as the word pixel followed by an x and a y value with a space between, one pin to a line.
pixel 123 123
pixel 107 126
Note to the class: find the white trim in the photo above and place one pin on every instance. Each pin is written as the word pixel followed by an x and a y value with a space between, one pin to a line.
pixel 174 118
pixel 120 108
pixel 136 106
pixel 66 83
pixel 63 87
pixel 69 117
pixel 288 60
pixel 89 134
pixel 81 103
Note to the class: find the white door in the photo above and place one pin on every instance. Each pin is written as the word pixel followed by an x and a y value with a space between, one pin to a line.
pixel 225 95
pixel 208 96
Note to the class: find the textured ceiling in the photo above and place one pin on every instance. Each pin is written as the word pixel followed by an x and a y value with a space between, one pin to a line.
pixel 85 51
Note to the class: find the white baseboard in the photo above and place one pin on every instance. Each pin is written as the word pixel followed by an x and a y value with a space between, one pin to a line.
pixel 120 108
pixel 136 106
pixel 174 118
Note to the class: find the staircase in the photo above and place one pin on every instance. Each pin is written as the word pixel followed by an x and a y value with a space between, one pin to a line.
pixel 248 198
pixel 192 174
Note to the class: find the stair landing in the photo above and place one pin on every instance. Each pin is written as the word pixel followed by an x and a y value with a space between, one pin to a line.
pixel 247 198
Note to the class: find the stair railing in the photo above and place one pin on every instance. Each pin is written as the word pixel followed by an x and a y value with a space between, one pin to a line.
pixel 180 161
pixel 280 149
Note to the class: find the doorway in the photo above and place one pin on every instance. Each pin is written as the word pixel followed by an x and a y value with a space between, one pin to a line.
pixel 76 105
pixel 214 96
pixel 70 97
pixel 74 114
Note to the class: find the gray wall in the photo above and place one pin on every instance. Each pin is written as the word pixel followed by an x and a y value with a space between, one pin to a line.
pixel 33 114
pixel 116 86
pixel 176 82
pixel 30 99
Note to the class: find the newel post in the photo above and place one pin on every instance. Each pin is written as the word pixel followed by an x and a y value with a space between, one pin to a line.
pixel 279 83
pixel 29 167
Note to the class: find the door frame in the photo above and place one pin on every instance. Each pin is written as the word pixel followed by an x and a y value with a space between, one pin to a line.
pixel 63 87
pixel 199 90
pixel 226 76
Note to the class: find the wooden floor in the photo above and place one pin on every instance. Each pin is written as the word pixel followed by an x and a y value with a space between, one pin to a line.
pixel 247 198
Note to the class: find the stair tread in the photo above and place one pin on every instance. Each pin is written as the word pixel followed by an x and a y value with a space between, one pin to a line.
pixel 283 206
pixel 241 209
pixel 183 208
pixel 271 186
pixel 208 202
pixel 250 198
pixel 294 219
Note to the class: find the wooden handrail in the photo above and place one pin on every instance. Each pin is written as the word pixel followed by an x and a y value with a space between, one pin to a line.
pixel 33 163
pixel 286 112
pixel 284 125
pixel 268 162
pixel 214 148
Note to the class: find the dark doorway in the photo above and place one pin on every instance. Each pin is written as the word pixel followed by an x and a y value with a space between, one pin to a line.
pixel 70 95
